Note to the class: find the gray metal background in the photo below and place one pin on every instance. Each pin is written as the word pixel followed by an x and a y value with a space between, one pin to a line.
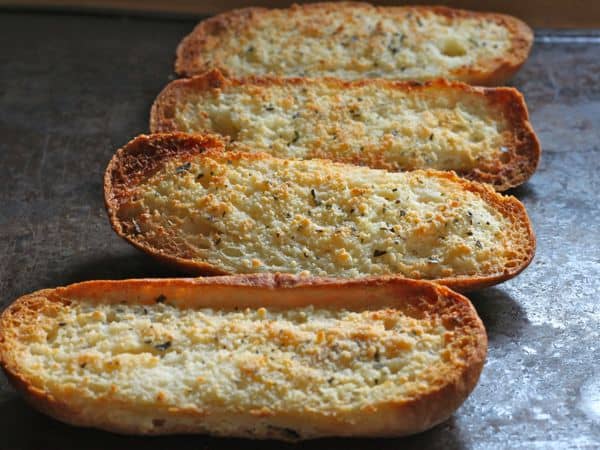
pixel 75 88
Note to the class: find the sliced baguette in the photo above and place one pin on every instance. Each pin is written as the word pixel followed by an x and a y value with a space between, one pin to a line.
pixel 358 40
pixel 185 200
pixel 249 356
pixel 483 134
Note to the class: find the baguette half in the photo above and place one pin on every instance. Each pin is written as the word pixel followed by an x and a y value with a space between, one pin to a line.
pixel 483 134
pixel 266 356
pixel 357 40
pixel 185 200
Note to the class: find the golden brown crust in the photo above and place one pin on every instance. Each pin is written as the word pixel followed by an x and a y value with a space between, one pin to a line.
pixel 516 165
pixel 419 299
pixel 206 35
pixel 523 153
pixel 139 159
pixel 125 171
pixel 495 72
pixel 513 209
pixel 492 72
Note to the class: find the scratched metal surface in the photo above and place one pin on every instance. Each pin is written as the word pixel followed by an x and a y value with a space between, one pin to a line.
pixel 74 88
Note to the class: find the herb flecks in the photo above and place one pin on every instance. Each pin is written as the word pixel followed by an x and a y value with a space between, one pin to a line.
pixel 164 346
pixel 354 112
pixel 136 227
pixel 183 168
pixel 296 137
pixel 313 194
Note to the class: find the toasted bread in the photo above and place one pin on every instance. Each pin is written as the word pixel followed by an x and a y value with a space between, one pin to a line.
pixel 266 356
pixel 483 134
pixel 185 200
pixel 358 40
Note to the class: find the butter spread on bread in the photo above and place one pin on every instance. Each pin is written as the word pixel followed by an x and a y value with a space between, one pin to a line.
pixel 481 133
pixel 357 40
pixel 185 200
pixel 249 356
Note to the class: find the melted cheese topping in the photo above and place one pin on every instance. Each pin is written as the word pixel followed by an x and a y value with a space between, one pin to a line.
pixel 351 43
pixel 206 359
pixel 261 214
pixel 397 129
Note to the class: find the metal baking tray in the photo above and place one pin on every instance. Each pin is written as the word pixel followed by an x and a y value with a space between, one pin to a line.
pixel 73 88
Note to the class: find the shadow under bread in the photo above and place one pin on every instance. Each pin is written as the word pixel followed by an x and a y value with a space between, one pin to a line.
pixel 22 424
pixel 501 314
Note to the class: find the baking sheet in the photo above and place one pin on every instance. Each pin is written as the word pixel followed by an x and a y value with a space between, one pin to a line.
pixel 74 88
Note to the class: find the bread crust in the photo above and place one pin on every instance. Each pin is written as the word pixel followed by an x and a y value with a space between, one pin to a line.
pixel 394 417
pixel 126 169
pixel 515 166
pixel 490 72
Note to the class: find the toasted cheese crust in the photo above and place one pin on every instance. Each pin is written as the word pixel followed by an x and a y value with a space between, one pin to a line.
pixel 250 356
pixel 358 40
pixel 233 212
pixel 483 134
